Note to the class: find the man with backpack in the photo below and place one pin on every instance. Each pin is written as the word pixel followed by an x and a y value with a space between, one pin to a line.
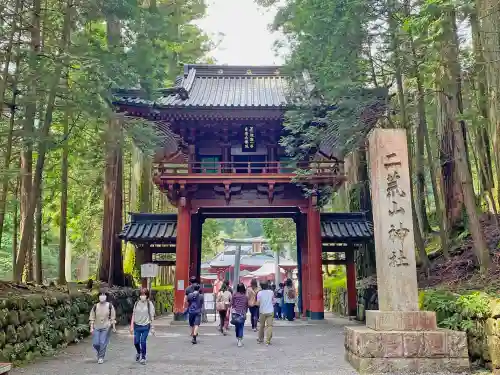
pixel 289 296
pixel 195 305
pixel 102 320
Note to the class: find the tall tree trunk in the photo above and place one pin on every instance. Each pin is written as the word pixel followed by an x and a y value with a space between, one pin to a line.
pixel 15 29
pixel 420 177
pixel 422 126
pixel 15 226
pixel 111 261
pixel 173 69
pixel 27 230
pixel 448 81
pixel 146 183
pixel 483 134
pixel 27 151
pixel 64 203
pixel 396 42
pixel 7 158
pixel 488 29
pixel 449 100
pixel 3 85
pixel 38 240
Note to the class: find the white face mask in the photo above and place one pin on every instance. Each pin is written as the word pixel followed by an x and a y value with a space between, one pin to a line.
pixel 143 298
pixel 102 299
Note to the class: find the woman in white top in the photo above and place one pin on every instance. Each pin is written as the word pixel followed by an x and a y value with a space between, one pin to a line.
pixel 142 323
pixel 223 303
pixel 289 297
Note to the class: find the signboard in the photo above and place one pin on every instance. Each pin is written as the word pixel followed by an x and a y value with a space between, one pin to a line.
pixel 149 270
pixel 180 284
pixel 249 142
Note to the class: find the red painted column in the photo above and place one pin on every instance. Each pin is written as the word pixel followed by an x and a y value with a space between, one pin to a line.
pixel 194 257
pixel 315 263
pixel 352 302
pixel 305 268
pixel 182 252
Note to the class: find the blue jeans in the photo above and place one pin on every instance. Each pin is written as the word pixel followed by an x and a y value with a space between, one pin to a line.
pixel 277 311
pixel 290 311
pixel 100 340
pixel 140 336
pixel 238 328
pixel 254 316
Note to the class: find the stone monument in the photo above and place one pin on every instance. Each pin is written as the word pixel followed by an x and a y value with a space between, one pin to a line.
pixel 398 337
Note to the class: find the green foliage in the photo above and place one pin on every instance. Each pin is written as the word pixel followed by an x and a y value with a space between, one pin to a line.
pixel 279 231
pixel 211 241
pixel 456 311
pixel 154 39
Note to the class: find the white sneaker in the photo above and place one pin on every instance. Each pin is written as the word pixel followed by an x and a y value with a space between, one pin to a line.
pixel 100 361
pixel 240 343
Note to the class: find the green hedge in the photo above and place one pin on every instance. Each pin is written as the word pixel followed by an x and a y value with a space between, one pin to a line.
pixel 476 313
pixel 334 294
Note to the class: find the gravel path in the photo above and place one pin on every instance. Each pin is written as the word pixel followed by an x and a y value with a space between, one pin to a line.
pixel 298 349
pixel 303 349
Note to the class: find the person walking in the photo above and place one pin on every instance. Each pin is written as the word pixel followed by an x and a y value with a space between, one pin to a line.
pixel 290 296
pixel 228 313
pixel 195 305
pixel 252 303
pixel 239 306
pixel 222 305
pixel 142 323
pixel 265 302
pixel 278 301
pixel 102 320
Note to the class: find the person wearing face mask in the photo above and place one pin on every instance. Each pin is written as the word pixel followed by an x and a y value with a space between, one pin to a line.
pixel 102 320
pixel 142 323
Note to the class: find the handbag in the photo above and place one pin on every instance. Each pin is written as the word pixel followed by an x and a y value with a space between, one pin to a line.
pixel 237 319
pixel 220 306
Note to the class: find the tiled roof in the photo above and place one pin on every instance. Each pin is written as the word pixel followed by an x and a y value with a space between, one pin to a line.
pixel 162 228
pixel 220 86
pixel 153 228
pixel 342 227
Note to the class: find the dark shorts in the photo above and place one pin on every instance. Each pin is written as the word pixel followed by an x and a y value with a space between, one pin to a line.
pixel 194 320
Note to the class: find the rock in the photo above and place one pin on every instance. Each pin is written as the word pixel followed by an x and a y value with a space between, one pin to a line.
pixel 13 318
pixel 2 339
pixel 495 308
pixel 11 334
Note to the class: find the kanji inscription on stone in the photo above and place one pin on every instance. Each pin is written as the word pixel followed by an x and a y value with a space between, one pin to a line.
pixel 396 209
pixel 392 220
pixel 398 236
pixel 393 189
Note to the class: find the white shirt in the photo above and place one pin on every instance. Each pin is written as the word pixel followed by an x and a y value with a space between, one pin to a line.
pixel 265 298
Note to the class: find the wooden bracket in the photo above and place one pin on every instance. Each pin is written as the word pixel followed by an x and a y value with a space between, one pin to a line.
pixel 270 192
pixel 227 192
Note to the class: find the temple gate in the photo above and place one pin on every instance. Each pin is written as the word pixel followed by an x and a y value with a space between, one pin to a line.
pixel 221 157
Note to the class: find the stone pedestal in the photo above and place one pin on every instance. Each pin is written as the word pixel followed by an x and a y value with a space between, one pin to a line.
pixel 409 341
pixel 398 338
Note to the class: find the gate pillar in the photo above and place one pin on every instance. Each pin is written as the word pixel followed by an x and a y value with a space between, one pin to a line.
pixel 182 254
pixel 315 289
pixel 351 283
pixel 194 257
pixel 302 228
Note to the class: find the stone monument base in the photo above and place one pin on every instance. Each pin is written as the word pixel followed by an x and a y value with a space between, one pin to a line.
pixel 399 342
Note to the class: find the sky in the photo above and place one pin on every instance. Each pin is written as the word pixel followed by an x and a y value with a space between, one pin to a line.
pixel 246 38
